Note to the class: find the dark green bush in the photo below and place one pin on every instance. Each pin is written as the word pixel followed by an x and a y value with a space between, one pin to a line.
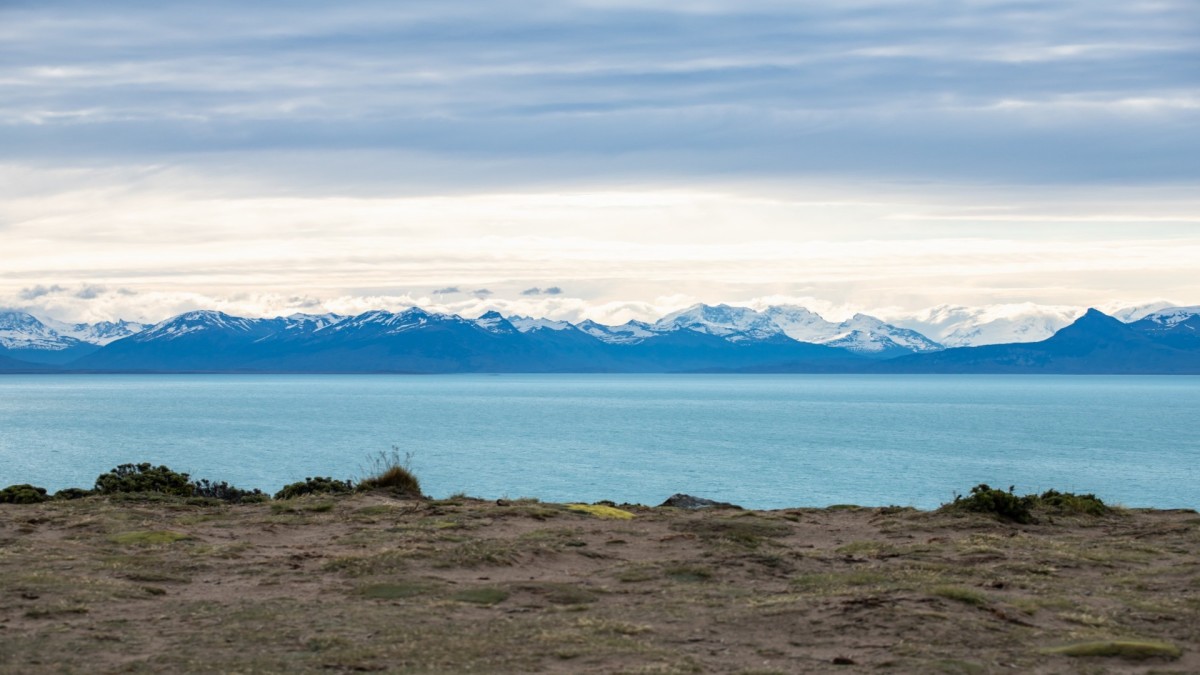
pixel 227 493
pixel 318 485
pixel 1008 506
pixel 144 478
pixel 1069 503
pixel 23 494
pixel 73 493
pixel 1003 505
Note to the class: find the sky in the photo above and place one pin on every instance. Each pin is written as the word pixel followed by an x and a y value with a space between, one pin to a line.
pixel 601 159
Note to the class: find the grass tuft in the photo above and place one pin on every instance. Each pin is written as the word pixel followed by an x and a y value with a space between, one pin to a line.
pixel 963 595
pixel 1133 650
pixel 391 473
pixel 602 511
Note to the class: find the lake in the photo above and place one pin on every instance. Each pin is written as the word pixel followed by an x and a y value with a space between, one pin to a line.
pixel 762 441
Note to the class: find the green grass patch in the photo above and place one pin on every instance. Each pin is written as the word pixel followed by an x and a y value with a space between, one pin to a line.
pixel 1134 650
pixel 393 591
pixel 301 506
pixel 486 595
pixel 959 594
pixel 748 531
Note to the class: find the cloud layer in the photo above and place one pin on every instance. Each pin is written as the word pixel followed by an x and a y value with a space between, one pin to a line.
pixel 870 153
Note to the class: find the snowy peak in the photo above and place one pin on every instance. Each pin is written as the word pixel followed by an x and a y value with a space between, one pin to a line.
pixel 311 322
pixel 526 324
pixel 735 324
pixel 631 332
pixel 801 324
pixel 103 332
pixel 956 326
pixel 1173 316
pixel 20 330
pixel 494 322
pixel 198 322
pixel 867 334
pixel 861 333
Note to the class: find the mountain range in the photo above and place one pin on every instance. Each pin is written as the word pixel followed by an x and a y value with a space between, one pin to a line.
pixel 701 338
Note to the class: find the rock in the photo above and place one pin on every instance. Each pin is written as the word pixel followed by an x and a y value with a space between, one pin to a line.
pixel 682 501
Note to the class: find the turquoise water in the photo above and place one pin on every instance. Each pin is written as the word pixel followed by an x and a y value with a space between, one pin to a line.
pixel 764 441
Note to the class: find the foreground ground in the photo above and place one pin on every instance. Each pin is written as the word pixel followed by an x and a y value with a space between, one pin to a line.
pixel 368 583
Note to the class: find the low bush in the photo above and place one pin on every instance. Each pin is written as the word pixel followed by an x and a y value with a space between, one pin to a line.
pixel 391 473
pixel 227 493
pixel 72 493
pixel 144 477
pixel 318 485
pixel 1008 506
pixel 1003 505
pixel 1071 503
pixel 23 494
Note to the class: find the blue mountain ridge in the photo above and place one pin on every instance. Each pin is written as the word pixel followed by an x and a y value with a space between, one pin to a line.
pixel 418 341
pixel 1094 344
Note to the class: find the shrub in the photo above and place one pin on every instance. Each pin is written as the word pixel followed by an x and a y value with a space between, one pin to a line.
pixel 1003 505
pixel 1069 502
pixel 143 478
pixel 318 485
pixel 23 494
pixel 389 472
pixel 73 493
pixel 1008 506
pixel 227 493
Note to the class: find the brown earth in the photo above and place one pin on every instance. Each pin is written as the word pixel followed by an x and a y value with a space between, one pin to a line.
pixel 367 583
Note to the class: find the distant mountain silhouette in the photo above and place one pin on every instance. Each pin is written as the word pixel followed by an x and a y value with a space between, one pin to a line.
pixel 1096 343
pixel 416 341
pixel 699 339
pixel 10 365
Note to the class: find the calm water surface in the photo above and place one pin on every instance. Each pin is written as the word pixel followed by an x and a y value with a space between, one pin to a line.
pixel 762 441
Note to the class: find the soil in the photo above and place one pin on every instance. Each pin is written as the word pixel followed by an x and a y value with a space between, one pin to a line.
pixel 370 583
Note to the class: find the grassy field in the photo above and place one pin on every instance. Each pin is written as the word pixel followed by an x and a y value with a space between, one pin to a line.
pixel 363 582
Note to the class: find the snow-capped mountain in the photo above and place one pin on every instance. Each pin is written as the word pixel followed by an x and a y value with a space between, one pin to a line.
pixel 626 333
pixel 525 324
pixel 861 333
pixel 198 322
pixel 736 324
pixel 311 322
pixel 1173 316
pixel 20 330
pixel 956 326
pixel 494 322
pixel 100 333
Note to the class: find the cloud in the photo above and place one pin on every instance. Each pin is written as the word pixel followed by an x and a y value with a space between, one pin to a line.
pixel 89 292
pixel 447 290
pixel 865 152
pixel 38 291
pixel 611 89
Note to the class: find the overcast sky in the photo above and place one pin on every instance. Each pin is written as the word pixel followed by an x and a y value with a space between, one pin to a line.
pixel 596 158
